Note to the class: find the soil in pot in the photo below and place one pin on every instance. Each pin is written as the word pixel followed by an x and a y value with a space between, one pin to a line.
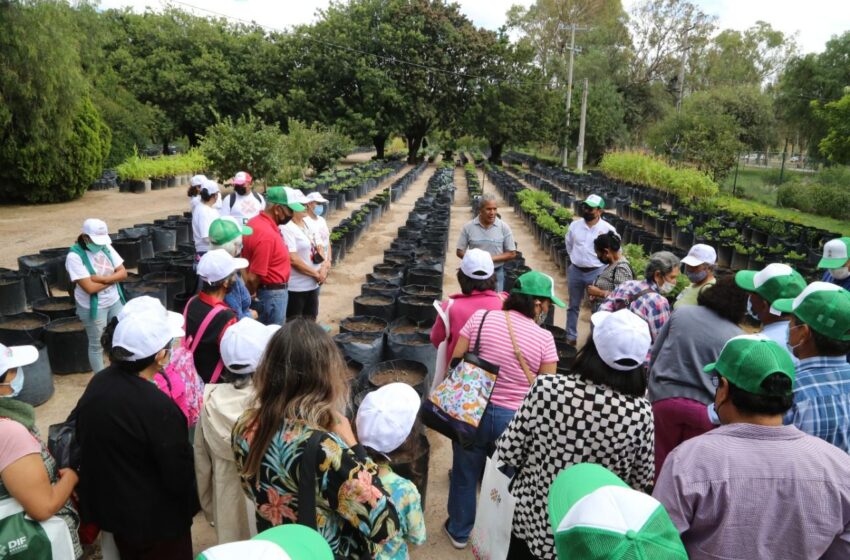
pixel 375 306
pixel 362 348
pixel 399 375
pixel 363 325
pixel 22 329
pixel 56 307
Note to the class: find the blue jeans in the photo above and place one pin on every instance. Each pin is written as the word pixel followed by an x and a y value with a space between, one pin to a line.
pixel 94 330
pixel 500 278
pixel 272 306
pixel 577 283
pixel 467 468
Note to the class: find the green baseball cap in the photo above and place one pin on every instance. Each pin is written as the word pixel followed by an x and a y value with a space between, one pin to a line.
pixel 835 253
pixel 535 283
pixel 747 360
pixel 773 282
pixel 279 195
pixel 823 306
pixel 226 229
pixel 284 542
pixel 596 516
pixel 594 201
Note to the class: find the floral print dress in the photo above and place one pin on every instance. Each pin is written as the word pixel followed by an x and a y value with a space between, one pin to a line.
pixel 352 508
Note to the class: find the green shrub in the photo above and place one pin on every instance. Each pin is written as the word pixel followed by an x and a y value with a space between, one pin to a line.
pixel 824 200
pixel 244 144
pixel 648 170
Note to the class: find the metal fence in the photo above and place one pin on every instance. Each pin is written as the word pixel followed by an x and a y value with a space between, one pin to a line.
pixel 780 160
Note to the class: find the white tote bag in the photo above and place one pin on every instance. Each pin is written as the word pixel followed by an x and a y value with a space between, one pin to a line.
pixel 491 534
pixel 22 537
pixel 442 362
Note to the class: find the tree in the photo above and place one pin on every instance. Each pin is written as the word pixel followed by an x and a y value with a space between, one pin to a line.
pixel 314 146
pixel 246 143
pixel 836 115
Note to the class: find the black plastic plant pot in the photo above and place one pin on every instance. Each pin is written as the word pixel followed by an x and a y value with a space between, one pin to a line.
pixel 58 276
pixel 164 239
pixel 56 307
pixel 175 284
pixel 22 329
pixel 367 350
pixel 38 387
pixel 566 355
pixel 375 306
pixel 181 300
pixel 558 333
pixel 156 290
pixel 13 294
pixel 411 372
pixel 420 276
pixel 67 346
pixel 153 264
pixel 380 288
pixel 739 261
pixel 417 309
pixel 413 346
pixel 130 250
pixel 363 325
pixel 422 291
pixel 40 263
pixel 390 277
pixel 412 463
pixel 185 268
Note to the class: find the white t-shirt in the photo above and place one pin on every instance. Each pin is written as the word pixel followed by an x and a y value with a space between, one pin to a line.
pixel 244 207
pixel 202 217
pixel 194 201
pixel 580 240
pixel 323 234
pixel 102 267
pixel 298 240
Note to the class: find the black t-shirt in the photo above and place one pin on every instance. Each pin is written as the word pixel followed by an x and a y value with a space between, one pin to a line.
pixel 207 355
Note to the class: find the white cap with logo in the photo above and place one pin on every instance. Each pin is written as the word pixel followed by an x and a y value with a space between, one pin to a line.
pixel 700 254
pixel 477 264
pixel 621 338
pixel 144 334
pixel 219 264
pixel 16 356
pixel 243 344
pixel 386 416
pixel 97 231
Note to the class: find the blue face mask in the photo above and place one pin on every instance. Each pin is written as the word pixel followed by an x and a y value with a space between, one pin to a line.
pixel 697 277
pixel 16 385
pixel 712 415
pixel 319 210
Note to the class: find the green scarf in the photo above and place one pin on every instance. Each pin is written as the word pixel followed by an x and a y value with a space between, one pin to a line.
pixel 18 411
pixel 81 252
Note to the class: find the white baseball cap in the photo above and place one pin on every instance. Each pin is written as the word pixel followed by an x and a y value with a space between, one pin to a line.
pixel 386 416
pixel 97 231
pixel 316 197
pixel 477 264
pixel 217 265
pixel 700 254
pixel 210 186
pixel 242 178
pixel 16 356
pixel 621 336
pixel 144 334
pixel 198 180
pixel 243 345
pixel 148 304
pixel 295 195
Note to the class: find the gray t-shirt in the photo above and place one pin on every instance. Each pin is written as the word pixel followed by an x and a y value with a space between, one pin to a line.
pixel 496 239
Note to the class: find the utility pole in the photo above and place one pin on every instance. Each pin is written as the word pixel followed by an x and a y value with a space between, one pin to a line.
pixel 580 149
pixel 682 73
pixel 572 49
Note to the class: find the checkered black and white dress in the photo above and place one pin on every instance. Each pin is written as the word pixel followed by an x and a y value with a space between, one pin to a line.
pixel 566 420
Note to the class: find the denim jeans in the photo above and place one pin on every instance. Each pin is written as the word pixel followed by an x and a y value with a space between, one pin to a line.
pixel 467 468
pixel 94 330
pixel 272 306
pixel 577 283
pixel 500 278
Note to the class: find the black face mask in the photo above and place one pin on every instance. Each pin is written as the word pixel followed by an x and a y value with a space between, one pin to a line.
pixel 285 220
pixel 241 190
pixel 589 215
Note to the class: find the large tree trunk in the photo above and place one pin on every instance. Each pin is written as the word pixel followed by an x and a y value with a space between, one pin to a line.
pixel 380 143
pixel 413 143
pixel 496 152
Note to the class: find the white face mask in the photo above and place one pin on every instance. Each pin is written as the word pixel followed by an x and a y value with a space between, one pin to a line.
pixel 16 385
pixel 840 273
pixel 666 287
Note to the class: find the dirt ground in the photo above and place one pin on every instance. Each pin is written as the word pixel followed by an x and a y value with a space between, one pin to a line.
pixel 24 229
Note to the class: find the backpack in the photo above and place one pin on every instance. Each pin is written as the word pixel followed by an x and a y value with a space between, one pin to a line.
pixel 180 380
pixel 233 199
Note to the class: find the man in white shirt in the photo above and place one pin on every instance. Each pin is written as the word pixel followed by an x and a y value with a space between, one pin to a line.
pixel 585 266
pixel 243 204
pixel 203 215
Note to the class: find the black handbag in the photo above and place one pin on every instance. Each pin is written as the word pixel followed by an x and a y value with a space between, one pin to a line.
pixel 62 443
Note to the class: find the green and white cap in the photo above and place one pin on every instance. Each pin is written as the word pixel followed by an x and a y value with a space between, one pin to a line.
pixel 596 516
pixel 534 283
pixel 823 306
pixel 594 201
pixel 226 229
pixel 773 282
pixel 747 360
pixel 836 252
pixel 284 542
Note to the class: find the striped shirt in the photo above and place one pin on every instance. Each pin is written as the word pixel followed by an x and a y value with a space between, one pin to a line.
pixel 822 399
pixel 743 491
pixel 536 344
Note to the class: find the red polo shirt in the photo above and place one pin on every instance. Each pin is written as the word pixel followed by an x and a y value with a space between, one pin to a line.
pixel 267 255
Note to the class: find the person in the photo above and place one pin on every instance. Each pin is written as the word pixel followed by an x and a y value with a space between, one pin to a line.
pixel 819 336
pixel 595 515
pixel 96 269
pixel 315 210
pixel 385 426
pixel 488 232
pixel 501 332
pixel 219 488
pixel 700 263
pixel 597 414
pixel 243 203
pixel 836 262
pixel 307 261
pixel 137 477
pixel 268 271
pixel 285 542
pixel 618 270
pixel 194 191
pixel 203 215
pixel 773 282
pixel 28 472
pixel 754 488
pixel 226 233
pixel 301 385
pixel 646 297
pixel 217 272
pixel 585 265
pixel 693 337
pixel 477 283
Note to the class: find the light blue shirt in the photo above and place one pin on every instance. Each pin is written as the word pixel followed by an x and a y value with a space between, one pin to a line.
pixel 778 332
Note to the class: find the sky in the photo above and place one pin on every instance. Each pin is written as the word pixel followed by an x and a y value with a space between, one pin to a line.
pixel 815 21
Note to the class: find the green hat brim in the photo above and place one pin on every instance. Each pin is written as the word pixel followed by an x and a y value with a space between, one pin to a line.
pixel 745 279
pixel 785 305
pixel 831 263
pixel 594 204
pixel 246 230
pixel 297 206
pixel 558 302
pixel 710 367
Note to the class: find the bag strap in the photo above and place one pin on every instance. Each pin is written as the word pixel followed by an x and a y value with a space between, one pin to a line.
pixel 196 340
pixel 478 337
pixel 517 351
pixel 639 295
pixel 307 482
pixel 444 315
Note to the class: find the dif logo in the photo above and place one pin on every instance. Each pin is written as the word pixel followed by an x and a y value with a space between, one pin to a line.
pixel 16 546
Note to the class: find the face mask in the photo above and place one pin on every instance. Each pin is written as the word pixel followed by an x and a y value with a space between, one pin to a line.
pixel 94 248
pixel 794 347
pixel 319 210
pixel 589 215
pixel 752 314
pixel 840 273
pixel 712 415
pixel 16 385
pixel 666 287
pixel 241 190
pixel 697 277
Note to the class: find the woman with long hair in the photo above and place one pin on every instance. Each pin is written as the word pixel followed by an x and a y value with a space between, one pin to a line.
pixel 301 390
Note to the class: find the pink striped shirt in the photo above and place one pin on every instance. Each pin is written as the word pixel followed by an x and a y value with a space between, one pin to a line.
pixel 536 344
